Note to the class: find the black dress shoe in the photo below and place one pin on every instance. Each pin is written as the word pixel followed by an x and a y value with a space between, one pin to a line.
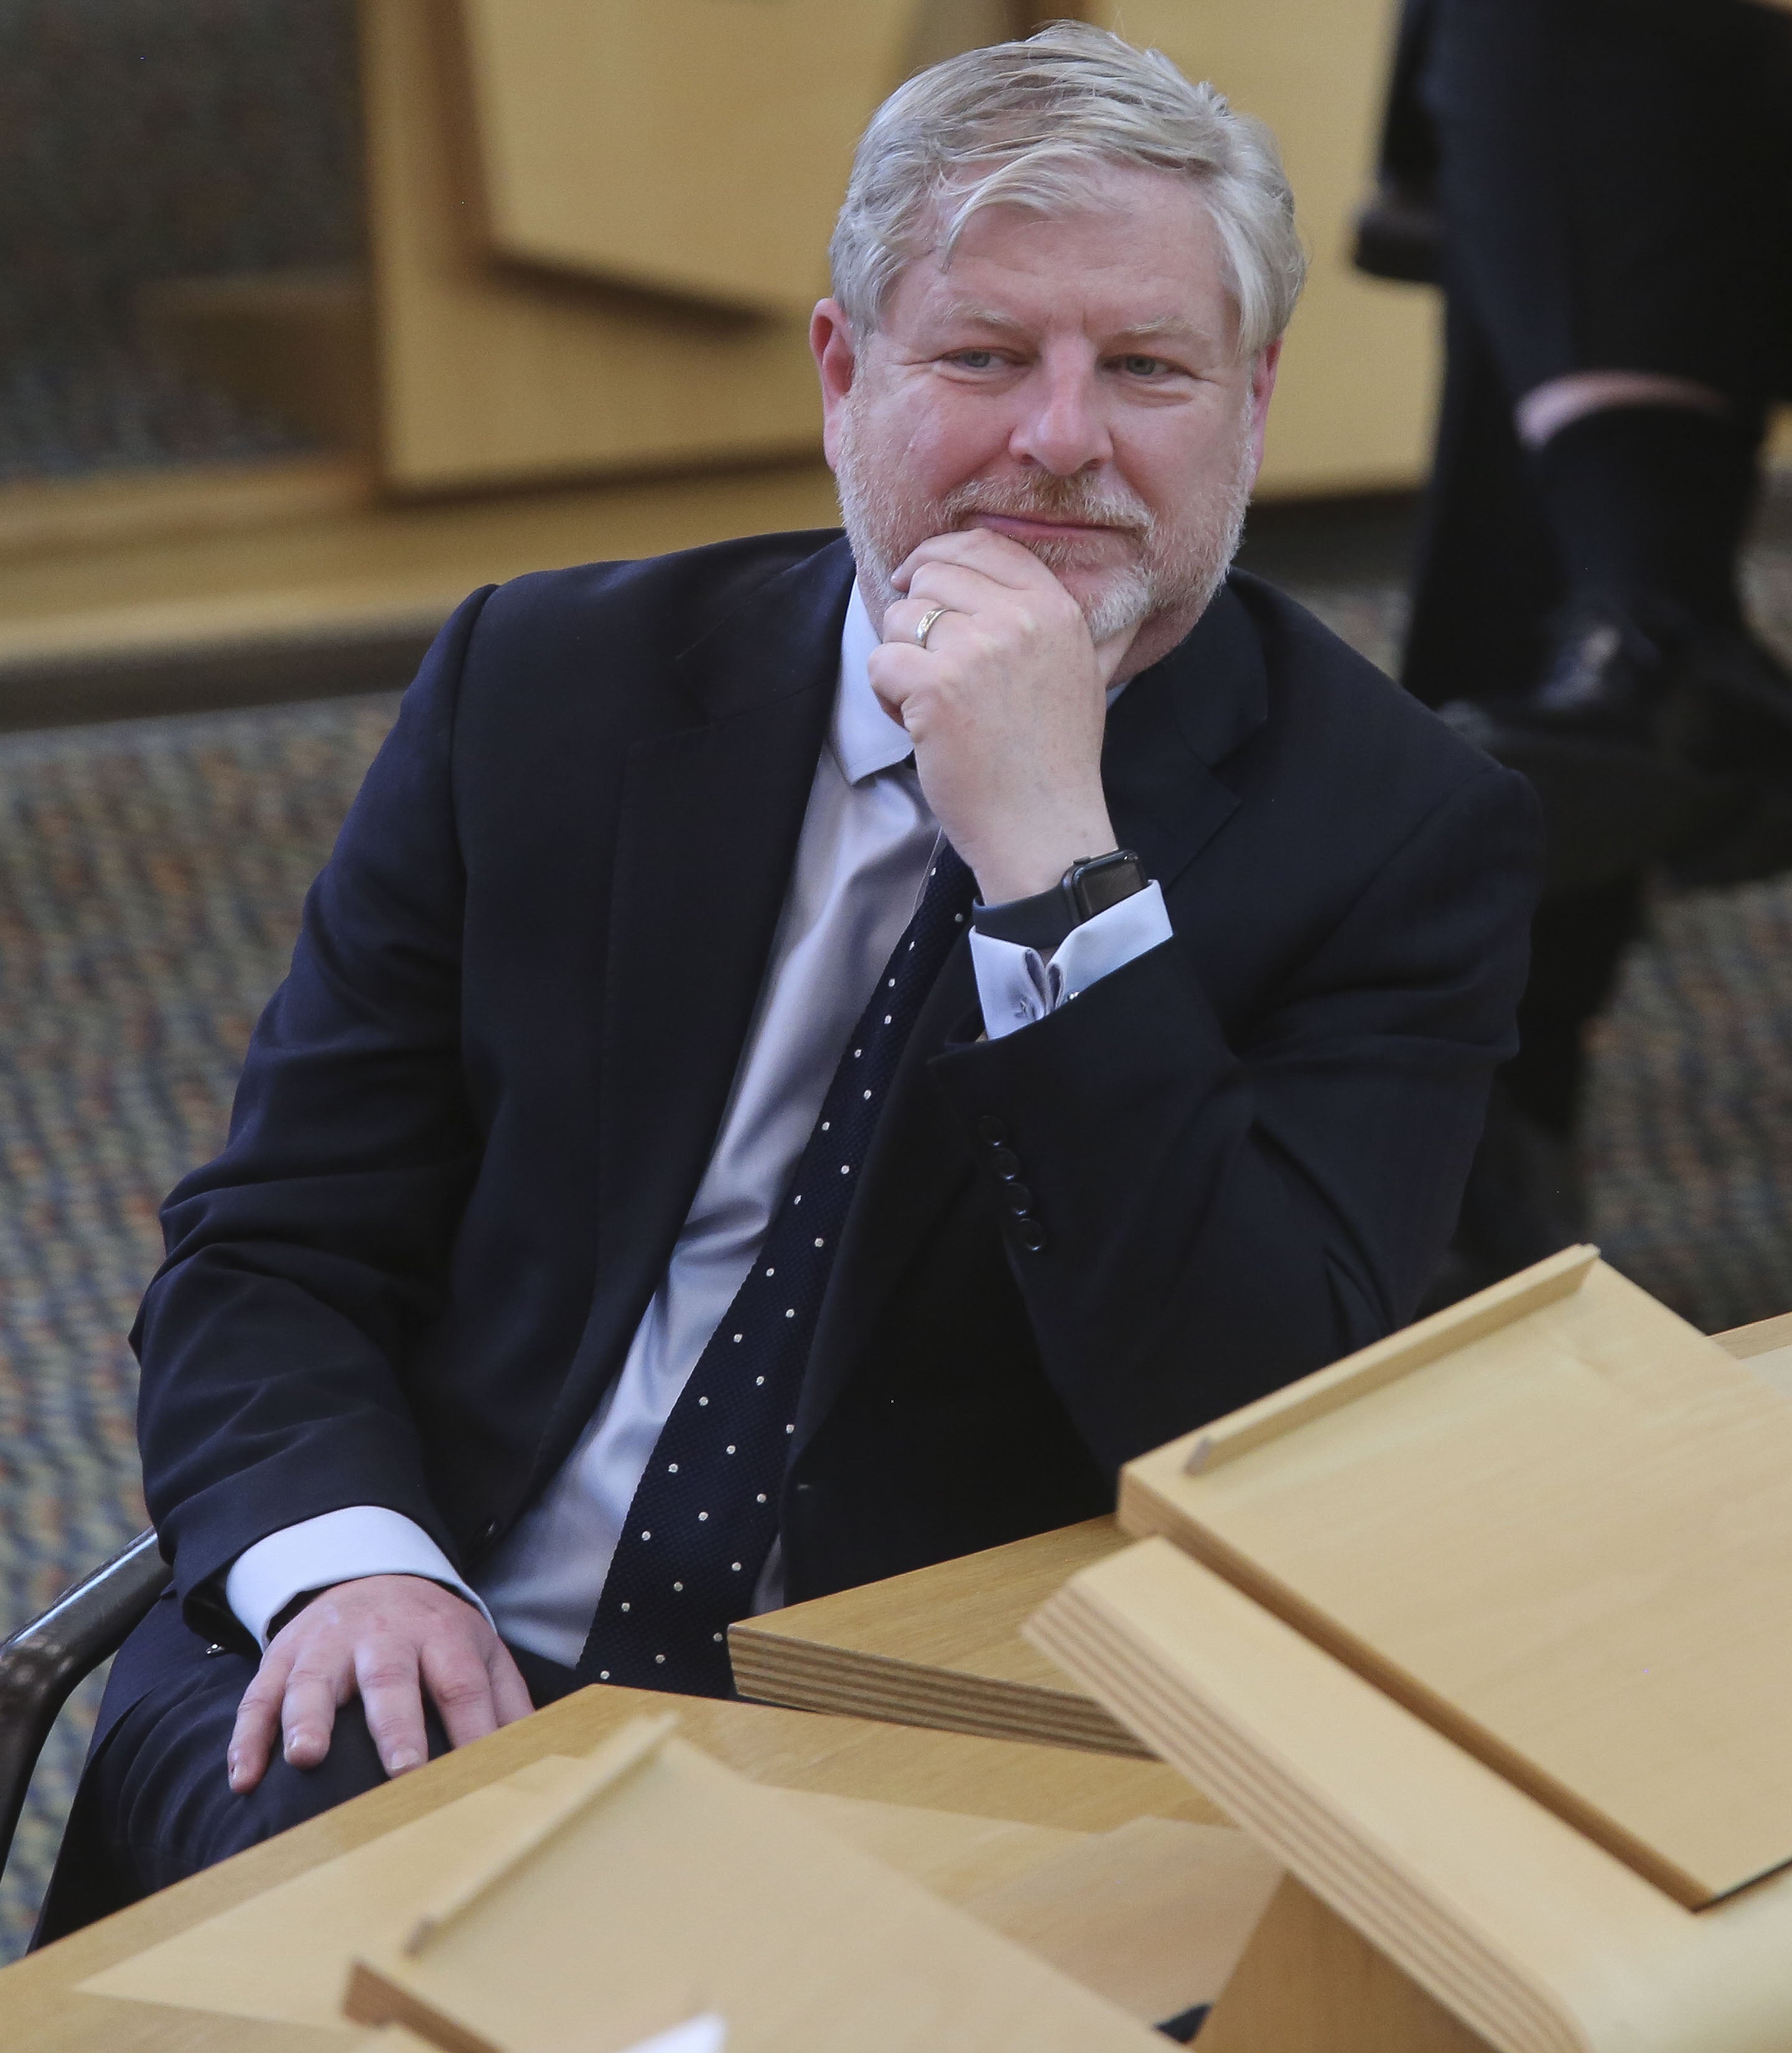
pixel 1648 742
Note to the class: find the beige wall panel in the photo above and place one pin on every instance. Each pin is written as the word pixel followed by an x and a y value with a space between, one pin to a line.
pixel 489 375
pixel 1354 408
pixel 698 147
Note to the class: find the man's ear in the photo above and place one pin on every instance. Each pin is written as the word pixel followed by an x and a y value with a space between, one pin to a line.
pixel 1262 387
pixel 830 343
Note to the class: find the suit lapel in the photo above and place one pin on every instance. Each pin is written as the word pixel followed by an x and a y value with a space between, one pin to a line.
pixel 1170 729
pixel 708 822
pixel 1173 726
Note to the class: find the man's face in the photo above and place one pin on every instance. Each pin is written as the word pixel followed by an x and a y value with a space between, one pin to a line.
pixel 1069 380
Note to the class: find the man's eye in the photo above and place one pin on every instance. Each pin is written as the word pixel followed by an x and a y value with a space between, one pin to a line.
pixel 1143 367
pixel 974 359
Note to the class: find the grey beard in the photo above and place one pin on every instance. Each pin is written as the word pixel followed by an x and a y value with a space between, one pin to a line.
pixel 879 524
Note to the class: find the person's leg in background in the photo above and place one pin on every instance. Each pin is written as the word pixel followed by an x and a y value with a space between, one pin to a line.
pixel 1613 181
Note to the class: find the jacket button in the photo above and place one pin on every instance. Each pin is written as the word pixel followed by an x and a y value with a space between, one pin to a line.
pixel 1018 1199
pixel 1006 1164
pixel 992 1130
pixel 1031 1235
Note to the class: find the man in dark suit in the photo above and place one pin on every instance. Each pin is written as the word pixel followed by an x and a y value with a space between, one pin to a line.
pixel 809 1054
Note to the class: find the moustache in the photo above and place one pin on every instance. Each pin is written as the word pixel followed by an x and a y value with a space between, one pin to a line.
pixel 1048 498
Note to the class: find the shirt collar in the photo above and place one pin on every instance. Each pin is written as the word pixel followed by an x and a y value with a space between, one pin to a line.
pixel 863 737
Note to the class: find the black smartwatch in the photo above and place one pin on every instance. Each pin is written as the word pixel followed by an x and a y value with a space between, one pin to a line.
pixel 1093 882
pixel 1090 884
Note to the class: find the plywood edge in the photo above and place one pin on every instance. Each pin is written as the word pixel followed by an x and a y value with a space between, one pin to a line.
pixel 1765 1335
pixel 378 1994
pixel 776 1652
pixel 1372 1368
pixel 1106 1630
pixel 936 1700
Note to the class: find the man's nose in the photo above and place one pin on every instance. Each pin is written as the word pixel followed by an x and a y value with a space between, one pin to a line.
pixel 1061 429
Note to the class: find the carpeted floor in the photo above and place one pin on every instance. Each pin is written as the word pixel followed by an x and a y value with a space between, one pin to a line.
pixel 151 874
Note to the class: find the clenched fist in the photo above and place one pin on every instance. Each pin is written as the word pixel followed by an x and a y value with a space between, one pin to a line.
pixel 1006 706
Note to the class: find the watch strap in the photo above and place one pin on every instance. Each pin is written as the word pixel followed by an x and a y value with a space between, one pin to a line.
pixel 1044 921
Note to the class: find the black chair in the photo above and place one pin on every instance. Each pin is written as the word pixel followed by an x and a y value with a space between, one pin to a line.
pixel 43 1661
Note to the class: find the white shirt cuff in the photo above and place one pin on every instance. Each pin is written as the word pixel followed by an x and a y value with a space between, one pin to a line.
pixel 338 1547
pixel 1016 985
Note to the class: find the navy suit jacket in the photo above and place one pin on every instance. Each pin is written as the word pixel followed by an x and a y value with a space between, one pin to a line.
pixel 472 1118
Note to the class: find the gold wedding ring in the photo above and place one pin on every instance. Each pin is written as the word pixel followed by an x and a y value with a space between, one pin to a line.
pixel 925 626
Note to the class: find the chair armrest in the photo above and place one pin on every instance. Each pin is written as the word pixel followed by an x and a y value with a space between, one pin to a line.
pixel 43 1661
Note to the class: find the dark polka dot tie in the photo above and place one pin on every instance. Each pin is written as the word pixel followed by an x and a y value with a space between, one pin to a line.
pixel 705 1513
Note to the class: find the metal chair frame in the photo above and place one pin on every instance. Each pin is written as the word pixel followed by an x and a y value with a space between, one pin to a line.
pixel 43 1661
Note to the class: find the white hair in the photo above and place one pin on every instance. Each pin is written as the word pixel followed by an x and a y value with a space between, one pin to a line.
pixel 1024 124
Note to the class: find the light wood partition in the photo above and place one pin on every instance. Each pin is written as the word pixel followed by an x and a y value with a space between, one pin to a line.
pixel 488 377
pixel 695 146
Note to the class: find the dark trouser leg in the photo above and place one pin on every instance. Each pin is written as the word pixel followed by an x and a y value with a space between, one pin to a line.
pixel 1486 577
pixel 1523 1199
pixel 1614 175
pixel 1577 942
pixel 154 1804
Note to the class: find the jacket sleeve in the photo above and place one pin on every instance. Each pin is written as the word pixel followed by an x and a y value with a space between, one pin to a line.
pixel 1215 1218
pixel 303 1261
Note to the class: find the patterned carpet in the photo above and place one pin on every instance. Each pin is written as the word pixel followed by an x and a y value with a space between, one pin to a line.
pixel 151 874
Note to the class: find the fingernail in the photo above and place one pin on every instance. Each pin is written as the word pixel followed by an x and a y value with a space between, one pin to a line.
pixel 400 1762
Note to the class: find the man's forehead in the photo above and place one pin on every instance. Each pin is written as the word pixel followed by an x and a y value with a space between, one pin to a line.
pixel 1150 270
pixel 967 310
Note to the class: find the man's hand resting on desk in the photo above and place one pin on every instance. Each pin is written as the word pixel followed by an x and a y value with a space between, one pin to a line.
pixel 387 1639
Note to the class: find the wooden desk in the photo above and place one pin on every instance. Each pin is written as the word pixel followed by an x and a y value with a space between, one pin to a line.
pixel 942 1646
pixel 41 2010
